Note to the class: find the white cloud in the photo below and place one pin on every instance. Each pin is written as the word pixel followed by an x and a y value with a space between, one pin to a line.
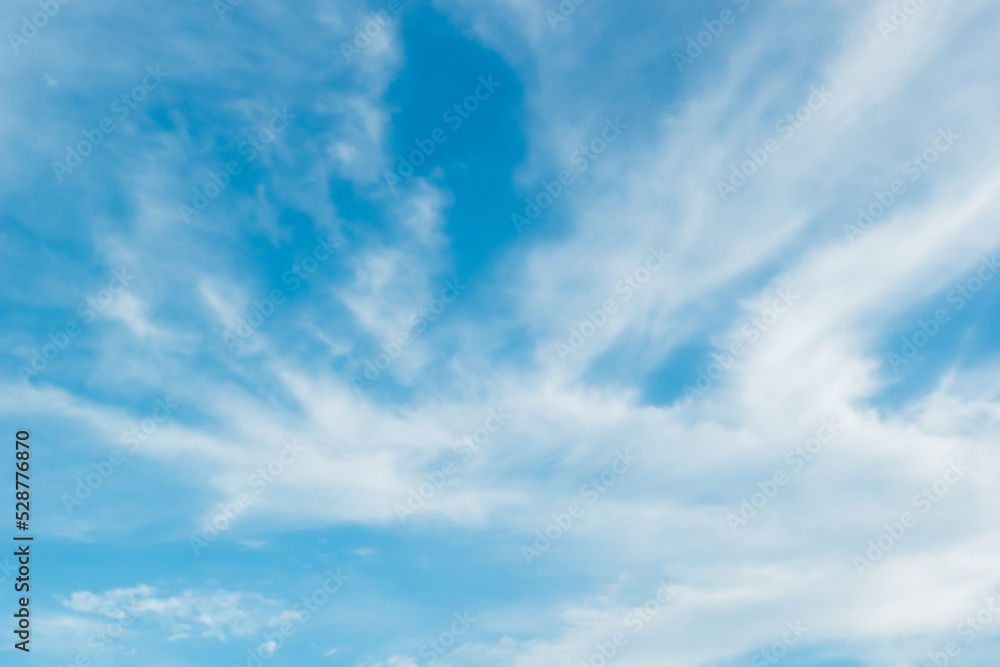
pixel 218 614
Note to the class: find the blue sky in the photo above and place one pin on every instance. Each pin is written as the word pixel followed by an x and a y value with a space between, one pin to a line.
pixel 504 332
